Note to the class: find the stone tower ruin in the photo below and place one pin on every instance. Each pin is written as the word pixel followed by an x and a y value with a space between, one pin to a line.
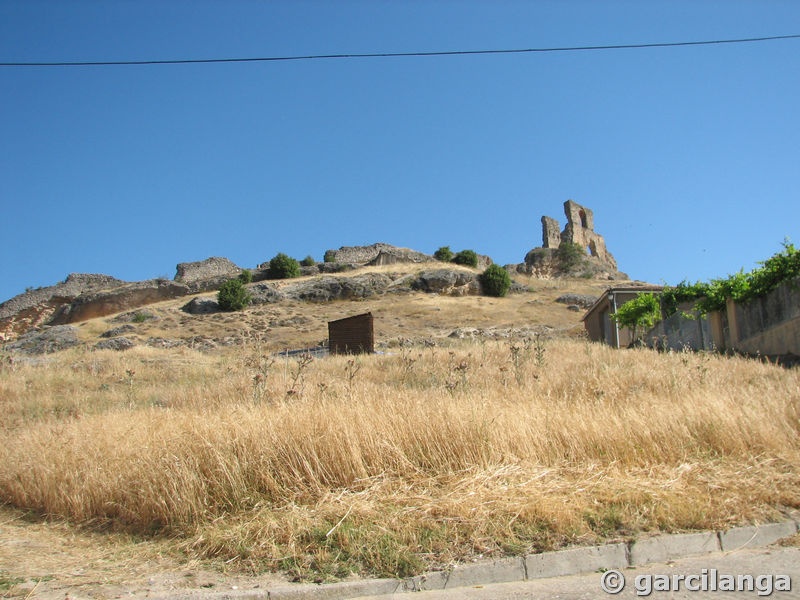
pixel 579 230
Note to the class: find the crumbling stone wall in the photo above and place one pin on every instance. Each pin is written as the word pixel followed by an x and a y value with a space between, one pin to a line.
pixel 368 254
pixel 578 230
pixel 551 233
pixel 216 266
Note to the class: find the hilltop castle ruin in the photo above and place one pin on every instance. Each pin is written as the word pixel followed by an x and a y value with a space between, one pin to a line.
pixel 546 261
pixel 579 230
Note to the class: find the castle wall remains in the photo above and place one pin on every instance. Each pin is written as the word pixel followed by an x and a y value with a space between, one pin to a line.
pixel 578 230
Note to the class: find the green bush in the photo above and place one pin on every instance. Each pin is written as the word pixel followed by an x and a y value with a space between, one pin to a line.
pixel 495 281
pixel 643 311
pixel 246 276
pixel 308 261
pixel 570 255
pixel 443 254
pixel 283 267
pixel 330 256
pixel 468 258
pixel 233 296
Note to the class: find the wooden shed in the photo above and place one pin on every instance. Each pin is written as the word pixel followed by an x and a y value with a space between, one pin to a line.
pixel 353 335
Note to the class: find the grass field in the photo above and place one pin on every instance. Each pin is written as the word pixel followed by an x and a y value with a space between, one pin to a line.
pixel 391 464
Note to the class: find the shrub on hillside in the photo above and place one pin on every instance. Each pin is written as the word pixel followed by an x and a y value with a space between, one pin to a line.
pixel 443 254
pixel 468 258
pixel 282 266
pixel 330 256
pixel 246 276
pixel 308 261
pixel 233 296
pixel 570 255
pixel 495 281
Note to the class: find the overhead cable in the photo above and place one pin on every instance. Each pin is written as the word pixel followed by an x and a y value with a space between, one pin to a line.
pixel 99 63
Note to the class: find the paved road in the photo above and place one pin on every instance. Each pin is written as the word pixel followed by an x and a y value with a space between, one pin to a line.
pixel 760 561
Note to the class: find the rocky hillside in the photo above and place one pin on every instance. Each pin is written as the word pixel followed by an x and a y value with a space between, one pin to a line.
pixel 411 305
pixel 548 263
pixel 36 307
pixel 348 274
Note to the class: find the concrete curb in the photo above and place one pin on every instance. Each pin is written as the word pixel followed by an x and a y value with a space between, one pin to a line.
pixel 666 547
pixel 763 535
pixel 573 561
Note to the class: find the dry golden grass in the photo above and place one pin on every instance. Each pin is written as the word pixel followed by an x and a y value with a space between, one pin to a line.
pixel 416 316
pixel 392 464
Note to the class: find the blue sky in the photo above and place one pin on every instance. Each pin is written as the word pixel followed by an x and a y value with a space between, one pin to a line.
pixel 689 157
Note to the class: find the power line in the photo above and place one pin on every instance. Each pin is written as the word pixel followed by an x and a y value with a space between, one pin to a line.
pixel 391 54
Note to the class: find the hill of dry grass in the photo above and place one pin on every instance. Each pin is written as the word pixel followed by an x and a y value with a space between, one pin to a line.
pixel 399 317
pixel 384 464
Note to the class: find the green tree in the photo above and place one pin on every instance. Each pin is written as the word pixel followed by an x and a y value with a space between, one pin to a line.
pixel 643 311
pixel 495 281
pixel 443 254
pixel 330 256
pixel 468 258
pixel 308 261
pixel 246 276
pixel 570 255
pixel 282 266
pixel 232 295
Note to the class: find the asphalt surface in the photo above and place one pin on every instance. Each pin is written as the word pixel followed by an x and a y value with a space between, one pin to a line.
pixel 771 562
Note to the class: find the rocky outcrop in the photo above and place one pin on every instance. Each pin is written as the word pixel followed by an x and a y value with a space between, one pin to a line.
pixel 327 288
pixel 306 271
pixel 484 262
pixel 200 306
pixel 116 331
pixel 265 293
pixel 100 304
pixel 74 285
pixel 447 281
pixel 376 254
pixel 117 343
pixel 46 340
pixel 582 300
pixel 210 268
pixel 35 307
pixel 541 258
pixel 334 267
pixel 322 289
pixel 545 263
pixel 135 316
